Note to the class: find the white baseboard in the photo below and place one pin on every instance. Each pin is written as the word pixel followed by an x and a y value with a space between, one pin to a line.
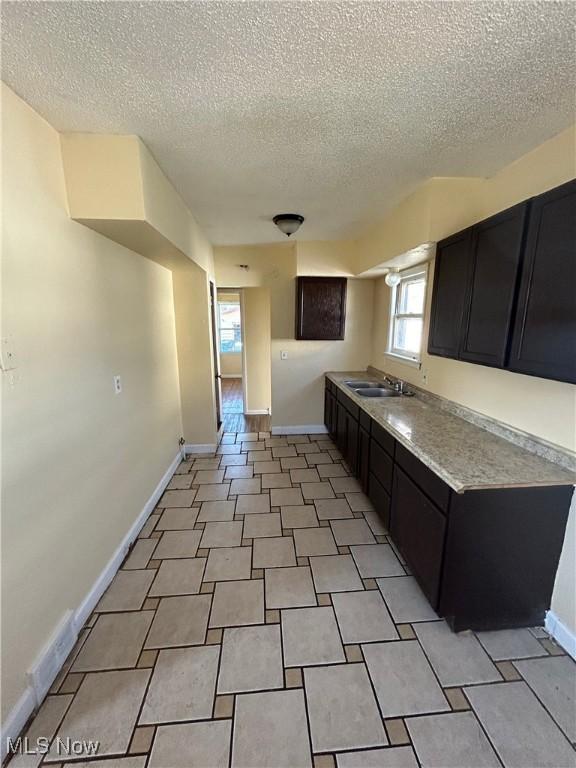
pixel 102 582
pixel 17 719
pixel 301 429
pixel 200 448
pixel 49 661
pixel 560 632
pixel 261 412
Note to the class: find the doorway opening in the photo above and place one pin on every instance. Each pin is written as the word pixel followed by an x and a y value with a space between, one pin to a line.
pixel 243 321
pixel 229 318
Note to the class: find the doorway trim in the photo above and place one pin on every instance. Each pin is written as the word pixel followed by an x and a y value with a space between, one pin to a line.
pixel 216 356
pixel 243 358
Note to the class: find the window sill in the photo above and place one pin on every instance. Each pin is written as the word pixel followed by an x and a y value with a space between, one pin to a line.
pixel 404 360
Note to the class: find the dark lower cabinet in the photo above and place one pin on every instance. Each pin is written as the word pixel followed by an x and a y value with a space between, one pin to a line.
pixel 485 559
pixel 418 528
pixel 501 556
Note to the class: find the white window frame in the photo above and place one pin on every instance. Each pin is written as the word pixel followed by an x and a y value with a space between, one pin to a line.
pixel 405 276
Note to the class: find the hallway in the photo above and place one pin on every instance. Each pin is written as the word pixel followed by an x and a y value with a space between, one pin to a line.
pixel 263 616
pixel 233 418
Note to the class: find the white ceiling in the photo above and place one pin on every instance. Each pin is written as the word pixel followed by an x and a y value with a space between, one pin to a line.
pixel 335 110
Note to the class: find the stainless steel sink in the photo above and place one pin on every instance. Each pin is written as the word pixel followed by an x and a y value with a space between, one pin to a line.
pixel 360 384
pixel 377 392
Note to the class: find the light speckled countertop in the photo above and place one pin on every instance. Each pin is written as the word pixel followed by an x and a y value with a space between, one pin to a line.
pixel 463 455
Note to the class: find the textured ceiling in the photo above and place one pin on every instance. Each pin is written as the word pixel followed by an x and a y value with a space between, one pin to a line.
pixel 335 110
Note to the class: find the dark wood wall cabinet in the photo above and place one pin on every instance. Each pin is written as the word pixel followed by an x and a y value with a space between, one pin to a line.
pixel 320 308
pixel 504 291
pixel 485 559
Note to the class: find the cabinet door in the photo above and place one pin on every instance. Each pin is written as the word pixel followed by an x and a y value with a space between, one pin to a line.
pixel 341 428
pixel 380 499
pixel 333 420
pixel 327 410
pixel 381 465
pixel 449 293
pixel 417 527
pixel 494 269
pixel 544 337
pixel 352 444
pixel 363 457
pixel 320 308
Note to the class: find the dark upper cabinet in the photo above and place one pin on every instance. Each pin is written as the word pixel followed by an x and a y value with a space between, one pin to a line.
pixel 504 290
pixel 448 293
pixel 320 308
pixel 493 276
pixel 544 333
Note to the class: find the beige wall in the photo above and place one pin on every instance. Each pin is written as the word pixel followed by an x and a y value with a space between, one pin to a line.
pixel 544 408
pixel 78 461
pixel 195 355
pixel 326 257
pixel 441 206
pixel 115 187
pixel 297 383
pixel 538 406
pixel 231 364
pixel 257 349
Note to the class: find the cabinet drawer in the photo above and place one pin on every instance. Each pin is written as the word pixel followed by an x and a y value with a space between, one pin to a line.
pixel 380 499
pixel 428 481
pixel 381 465
pixel 418 528
pixel 365 420
pixel 383 437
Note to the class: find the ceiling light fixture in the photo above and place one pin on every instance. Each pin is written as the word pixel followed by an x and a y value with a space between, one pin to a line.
pixel 288 222
pixel 392 279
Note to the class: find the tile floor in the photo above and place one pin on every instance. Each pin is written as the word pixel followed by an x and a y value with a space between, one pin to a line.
pixel 264 618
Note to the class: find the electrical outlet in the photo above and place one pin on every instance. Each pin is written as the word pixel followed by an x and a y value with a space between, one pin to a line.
pixel 424 377
pixel 283 355
pixel 117 385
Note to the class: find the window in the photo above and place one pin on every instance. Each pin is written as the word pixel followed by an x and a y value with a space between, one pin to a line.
pixel 229 327
pixel 407 314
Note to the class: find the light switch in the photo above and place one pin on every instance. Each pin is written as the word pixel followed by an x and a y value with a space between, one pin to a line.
pixel 117 385
pixel 283 355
